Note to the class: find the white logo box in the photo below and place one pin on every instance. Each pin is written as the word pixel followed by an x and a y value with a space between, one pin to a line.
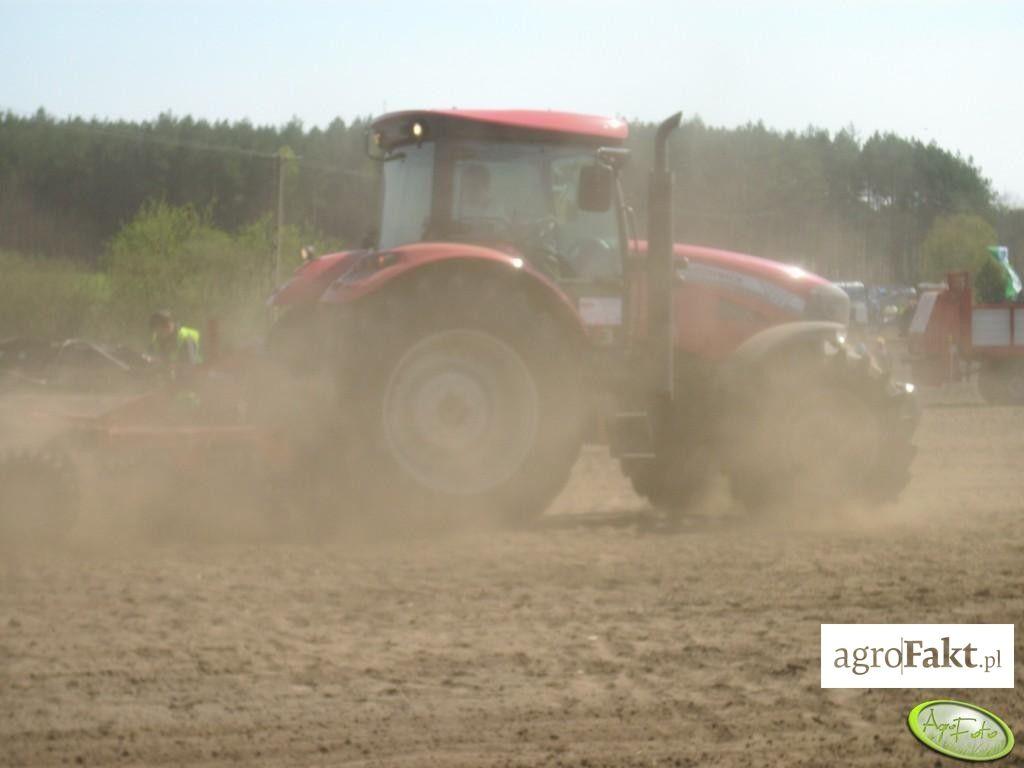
pixel 917 656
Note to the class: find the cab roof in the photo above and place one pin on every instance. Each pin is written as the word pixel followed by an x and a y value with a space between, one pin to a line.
pixel 606 128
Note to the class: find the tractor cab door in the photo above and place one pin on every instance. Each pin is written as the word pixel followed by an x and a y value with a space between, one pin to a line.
pixel 553 203
pixel 593 241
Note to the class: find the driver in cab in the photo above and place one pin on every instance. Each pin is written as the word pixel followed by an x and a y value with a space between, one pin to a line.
pixel 476 199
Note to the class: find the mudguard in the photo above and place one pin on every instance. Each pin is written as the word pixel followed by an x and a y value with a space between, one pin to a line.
pixel 372 272
pixel 312 279
pixel 772 342
pixel 790 360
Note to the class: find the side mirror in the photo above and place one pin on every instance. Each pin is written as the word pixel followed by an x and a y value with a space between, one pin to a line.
pixel 375 145
pixel 595 190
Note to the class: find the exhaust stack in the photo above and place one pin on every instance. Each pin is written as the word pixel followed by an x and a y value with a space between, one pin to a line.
pixel 660 265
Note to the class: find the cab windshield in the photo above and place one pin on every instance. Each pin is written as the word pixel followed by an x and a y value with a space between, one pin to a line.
pixel 524 195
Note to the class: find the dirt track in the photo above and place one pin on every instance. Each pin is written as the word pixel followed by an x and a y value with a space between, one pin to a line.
pixel 600 638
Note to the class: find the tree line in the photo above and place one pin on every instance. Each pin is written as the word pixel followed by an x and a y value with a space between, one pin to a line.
pixel 846 206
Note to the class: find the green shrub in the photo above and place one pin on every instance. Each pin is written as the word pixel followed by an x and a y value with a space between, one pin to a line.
pixel 991 282
pixel 956 243
pixel 50 298
pixel 166 257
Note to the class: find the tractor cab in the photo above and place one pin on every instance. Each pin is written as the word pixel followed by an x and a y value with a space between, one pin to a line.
pixel 540 184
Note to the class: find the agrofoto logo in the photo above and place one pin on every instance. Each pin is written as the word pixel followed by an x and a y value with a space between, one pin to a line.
pixel 960 730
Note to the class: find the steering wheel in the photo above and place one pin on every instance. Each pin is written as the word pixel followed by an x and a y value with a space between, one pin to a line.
pixel 589 257
pixel 540 236
pixel 544 231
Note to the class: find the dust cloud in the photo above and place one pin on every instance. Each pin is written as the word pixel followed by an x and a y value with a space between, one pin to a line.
pixel 602 635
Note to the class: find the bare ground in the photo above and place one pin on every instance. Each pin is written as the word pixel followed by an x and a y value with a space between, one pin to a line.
pixel 600 638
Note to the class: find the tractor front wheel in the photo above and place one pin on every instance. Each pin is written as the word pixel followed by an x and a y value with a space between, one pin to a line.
pixel 819 429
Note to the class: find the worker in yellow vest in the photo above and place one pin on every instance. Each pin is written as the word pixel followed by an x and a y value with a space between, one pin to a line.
pixel 171 343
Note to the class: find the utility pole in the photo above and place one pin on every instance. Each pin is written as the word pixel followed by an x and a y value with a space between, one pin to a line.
pixel 280 216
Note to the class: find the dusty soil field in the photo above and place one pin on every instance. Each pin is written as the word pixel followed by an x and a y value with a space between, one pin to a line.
pixel 600 638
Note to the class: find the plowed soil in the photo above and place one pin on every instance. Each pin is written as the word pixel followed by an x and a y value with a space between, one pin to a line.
pixel 603 636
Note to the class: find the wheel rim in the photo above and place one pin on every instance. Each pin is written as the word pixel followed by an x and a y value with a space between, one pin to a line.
pixel 461 412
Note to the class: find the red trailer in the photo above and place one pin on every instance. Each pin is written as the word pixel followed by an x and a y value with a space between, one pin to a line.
pixel 951 337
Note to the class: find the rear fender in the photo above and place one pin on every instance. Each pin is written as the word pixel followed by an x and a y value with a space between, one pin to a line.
pixel 378 273
pixel 313 278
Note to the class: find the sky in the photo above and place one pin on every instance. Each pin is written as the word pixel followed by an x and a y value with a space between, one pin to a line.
pixel 936 70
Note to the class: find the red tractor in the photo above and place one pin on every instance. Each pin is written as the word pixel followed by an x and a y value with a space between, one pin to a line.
pixel 510 310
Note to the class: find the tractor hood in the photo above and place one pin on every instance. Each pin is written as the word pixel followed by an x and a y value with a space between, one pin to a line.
pixel 722 298
pixel 787 288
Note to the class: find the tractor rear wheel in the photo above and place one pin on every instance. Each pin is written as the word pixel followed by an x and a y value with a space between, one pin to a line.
pixel 466 395
pixel 294 342
pixel 819 429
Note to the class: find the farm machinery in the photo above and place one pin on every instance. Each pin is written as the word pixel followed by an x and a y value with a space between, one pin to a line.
pixel 951 338
pixel 189 441
pixel 510 310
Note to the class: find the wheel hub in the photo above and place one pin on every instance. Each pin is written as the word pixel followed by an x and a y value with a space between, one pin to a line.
pixel 461 412
pixel 451 409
